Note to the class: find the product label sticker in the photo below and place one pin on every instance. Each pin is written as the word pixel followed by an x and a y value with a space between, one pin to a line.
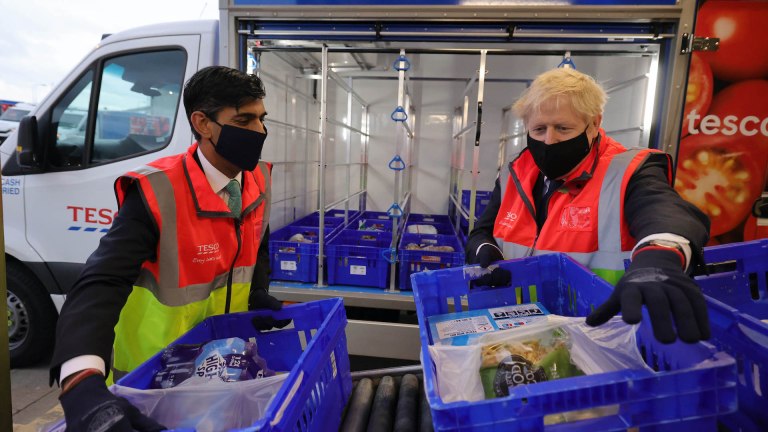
pixel 464 326
pixel 459 328
pixel 512 316
pixel 287 265
pixel 357 270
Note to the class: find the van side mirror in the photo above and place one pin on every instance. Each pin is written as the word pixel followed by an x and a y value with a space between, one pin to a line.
pixel 760 208
pixel 28 143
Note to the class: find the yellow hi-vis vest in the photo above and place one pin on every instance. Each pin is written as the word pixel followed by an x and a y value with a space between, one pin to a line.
pixel 205 255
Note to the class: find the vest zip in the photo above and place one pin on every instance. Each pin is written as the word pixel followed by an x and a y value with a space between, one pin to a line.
pixel 584 176
pixel 238 222
pixel 547 197
pixel 538 231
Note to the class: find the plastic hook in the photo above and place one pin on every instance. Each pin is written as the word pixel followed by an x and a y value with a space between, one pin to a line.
pixel 399 114
pixel 567 63
pixel 394 208
pixel 389 254
pixel 401 59
pixel 397 163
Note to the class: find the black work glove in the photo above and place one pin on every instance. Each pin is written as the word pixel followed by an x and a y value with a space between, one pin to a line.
pixel 259 299
pixel 89 406
pixel 656 279
pixel 498 277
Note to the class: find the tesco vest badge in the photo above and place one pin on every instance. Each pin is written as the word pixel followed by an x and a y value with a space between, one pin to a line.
pixel 575 218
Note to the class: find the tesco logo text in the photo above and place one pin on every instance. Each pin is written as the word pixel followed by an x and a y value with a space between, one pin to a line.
pixel 207 248
pixel 729 125
pixel 103 216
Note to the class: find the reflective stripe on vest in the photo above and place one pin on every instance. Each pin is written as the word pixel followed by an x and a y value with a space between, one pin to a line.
pixel 608 260
pixel 159 310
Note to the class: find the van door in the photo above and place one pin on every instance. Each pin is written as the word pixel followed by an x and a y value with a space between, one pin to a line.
pixel 123 110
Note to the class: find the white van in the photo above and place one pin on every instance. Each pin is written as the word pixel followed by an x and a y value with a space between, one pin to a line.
pixel 332 95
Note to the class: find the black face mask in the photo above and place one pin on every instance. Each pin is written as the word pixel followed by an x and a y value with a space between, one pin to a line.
pixel 240 146
pixel 556 160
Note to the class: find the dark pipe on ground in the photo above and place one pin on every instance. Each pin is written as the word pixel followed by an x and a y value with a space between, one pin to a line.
pixel 407 404
pixel 382 413
pixel 359 407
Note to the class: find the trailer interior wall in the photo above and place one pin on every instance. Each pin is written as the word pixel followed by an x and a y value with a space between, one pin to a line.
pixel 436 83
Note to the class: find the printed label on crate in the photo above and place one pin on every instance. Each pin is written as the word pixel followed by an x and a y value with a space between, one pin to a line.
pixel 287 265
pixel 460 327
pixel 435 259
pixel 357 270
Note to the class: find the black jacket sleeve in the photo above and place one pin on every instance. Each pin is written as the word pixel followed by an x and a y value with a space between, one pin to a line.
pixel 262 271
pixel 93 305
pixel 652 206
pixel 483 231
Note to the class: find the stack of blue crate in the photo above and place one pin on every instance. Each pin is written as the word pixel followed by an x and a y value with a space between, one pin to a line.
pixel 428 243
pixel 293 249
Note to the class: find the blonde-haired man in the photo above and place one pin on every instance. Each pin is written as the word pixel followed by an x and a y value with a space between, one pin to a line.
pixel 576 190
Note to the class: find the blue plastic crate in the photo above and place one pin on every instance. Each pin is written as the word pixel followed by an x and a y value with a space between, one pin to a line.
pixel 291 260
pixel 340 213
pixel 695 382
pixel 737 297
pixel 375 215
pixel 413 261
pixel 482 198
pixel 364 224
pixel 441 223
pixel 357 258
pixel 313 219
pixel 739 276
pixel 381 216
pixel 319 384
pixel 428 218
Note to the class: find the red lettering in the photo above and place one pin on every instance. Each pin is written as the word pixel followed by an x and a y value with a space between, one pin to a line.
pixel 90 214
pixel 105 216
pixel 74 212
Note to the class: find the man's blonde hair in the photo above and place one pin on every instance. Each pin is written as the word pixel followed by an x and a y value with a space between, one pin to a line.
pixel 585 95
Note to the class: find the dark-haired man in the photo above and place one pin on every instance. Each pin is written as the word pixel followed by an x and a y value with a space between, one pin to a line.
pixel 190 240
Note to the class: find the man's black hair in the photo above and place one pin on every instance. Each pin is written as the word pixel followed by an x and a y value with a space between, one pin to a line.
pixel 216 87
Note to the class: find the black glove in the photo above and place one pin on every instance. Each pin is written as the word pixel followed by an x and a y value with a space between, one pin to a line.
pixel 259 299
pixel 89 406
pixel 655 279
pixel 498 277
pixel 487 255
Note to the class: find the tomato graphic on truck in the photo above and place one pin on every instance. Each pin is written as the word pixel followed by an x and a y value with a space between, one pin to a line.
pixel 722 159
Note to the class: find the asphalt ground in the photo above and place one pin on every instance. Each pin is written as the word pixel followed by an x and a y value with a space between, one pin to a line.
pixel 34 405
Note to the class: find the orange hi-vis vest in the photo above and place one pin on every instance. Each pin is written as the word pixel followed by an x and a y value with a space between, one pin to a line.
pixel 205 255
pixel 585 216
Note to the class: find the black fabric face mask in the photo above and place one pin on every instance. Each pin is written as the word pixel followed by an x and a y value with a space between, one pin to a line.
pixel 556 160
pixel 240 146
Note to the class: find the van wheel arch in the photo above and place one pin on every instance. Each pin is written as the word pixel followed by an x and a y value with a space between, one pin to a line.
pixel 32 316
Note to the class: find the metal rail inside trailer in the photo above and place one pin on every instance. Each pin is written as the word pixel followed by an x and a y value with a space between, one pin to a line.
pixel 354 89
